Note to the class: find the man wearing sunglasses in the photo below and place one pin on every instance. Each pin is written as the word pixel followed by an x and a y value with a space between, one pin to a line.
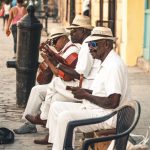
pixel 69 53
pixel 79 30
pixel 108 90
pixel 83 28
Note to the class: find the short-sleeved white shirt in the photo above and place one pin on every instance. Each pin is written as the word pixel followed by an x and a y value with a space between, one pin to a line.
pixel 86 65
pixel 85 60
pixel 111 78
pixel 71 49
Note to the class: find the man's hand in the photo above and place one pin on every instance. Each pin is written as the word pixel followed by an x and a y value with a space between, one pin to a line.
pixel 79 93
pixel 45 57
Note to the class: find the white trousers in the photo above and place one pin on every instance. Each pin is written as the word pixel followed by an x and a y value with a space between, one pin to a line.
pixel 37 96
pixel 61 113
pixel 57 92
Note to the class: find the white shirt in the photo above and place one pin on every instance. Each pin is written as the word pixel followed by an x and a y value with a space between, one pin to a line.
pixel 85 60
pixel 85 5
pixel 86 65
pixel 6 8
pixel 111 78
pixel 70 50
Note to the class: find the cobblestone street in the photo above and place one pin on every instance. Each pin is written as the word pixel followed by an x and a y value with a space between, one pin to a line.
pixel 10 114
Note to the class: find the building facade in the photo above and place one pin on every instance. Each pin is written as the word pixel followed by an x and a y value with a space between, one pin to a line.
pixel 128 19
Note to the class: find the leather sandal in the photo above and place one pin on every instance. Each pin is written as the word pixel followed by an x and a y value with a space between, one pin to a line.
pixel 35 119
pixel 42 141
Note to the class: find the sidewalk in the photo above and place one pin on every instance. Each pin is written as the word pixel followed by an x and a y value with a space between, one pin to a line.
pixel 10 115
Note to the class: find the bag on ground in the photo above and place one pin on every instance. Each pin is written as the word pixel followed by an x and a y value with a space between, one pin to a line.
pixel 6 136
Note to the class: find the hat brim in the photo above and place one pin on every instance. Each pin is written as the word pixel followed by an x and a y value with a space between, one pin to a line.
pixel 96 38
pixel 75 27
pixel 55 36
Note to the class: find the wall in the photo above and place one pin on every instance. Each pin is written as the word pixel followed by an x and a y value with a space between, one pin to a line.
pixel 94 11
pixel 132 31
pixel 118 25
pixel 78 7
pixel 129 25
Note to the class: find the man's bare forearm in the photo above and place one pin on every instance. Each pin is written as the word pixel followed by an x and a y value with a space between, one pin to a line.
pixel 89 91
pixel 104 102
pixel 70 71
pixel 53 68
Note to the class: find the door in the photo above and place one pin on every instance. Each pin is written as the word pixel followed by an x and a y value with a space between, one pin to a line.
pixel 111 12
pixel 147 30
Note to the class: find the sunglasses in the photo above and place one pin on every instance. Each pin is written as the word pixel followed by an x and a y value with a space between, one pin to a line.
pixel 92 44
pixel 54 41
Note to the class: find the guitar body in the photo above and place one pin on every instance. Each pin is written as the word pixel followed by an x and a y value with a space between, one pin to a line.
pixel 71 61
pixel 44 74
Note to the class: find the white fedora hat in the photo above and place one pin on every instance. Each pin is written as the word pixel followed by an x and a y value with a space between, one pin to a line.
pixel 57 32
pixel 81 21
pixel 99 33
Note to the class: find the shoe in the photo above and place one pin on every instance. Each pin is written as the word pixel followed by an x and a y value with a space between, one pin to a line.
pixel 42 141
pixel 26 128
pixel 35 119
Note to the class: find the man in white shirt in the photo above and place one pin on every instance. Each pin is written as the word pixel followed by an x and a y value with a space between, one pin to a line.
pixel 108 91
pixel 65 49
pixel 38 93
pixel 80 29
pixel 85 65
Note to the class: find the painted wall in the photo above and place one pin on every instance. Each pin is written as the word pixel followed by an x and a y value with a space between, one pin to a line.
pixel 78 7
pixel 95 11
pixel 129 25
pixel 64 10
pixel 132 31
pixel 146 53
pixel 119 25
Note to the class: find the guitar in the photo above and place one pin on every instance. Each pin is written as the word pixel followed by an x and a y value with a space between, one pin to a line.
pixel 45 74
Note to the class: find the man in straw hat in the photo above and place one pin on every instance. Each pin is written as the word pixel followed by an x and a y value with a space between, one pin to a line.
pixel 80 29
pixel 68 51
pixel 77 36
pixel 108 91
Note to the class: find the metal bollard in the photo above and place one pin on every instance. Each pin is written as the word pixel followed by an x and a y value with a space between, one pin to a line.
pixel 28 39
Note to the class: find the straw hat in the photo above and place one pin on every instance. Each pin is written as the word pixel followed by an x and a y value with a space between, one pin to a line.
pixel 57 32
pixel 99 33
pixel 81 21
